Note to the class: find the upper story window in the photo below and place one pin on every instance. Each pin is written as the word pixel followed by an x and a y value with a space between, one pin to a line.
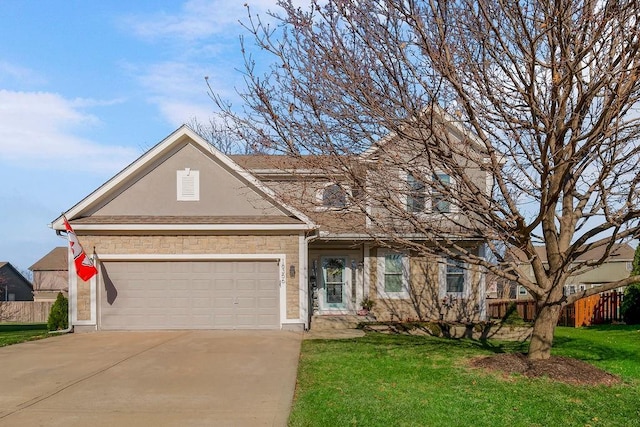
pixel 332 196
pixel 439 200
pixel 416 197
pixel 431 196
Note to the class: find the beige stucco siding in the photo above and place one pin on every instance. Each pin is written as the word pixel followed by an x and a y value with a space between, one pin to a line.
pixel 244 244
pixel 155 192
pixel 608 272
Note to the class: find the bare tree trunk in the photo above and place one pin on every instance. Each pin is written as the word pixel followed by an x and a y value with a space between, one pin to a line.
pixel 543 328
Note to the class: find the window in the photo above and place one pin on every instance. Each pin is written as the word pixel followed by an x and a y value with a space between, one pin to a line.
pixel 393 274
pixel 188 185
pixel 629 266
pixel 334 196
pixel 522 291
pixel 439 199
pixel 455 276
pixel 415 194
pixel 435 198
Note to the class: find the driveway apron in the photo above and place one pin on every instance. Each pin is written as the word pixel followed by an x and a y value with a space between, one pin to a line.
pixel 159 378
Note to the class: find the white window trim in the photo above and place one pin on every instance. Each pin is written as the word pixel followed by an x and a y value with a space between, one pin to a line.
pixel 180 175
pixel 320 197
pixel 404 294
pixel 428 195
pixel 442 279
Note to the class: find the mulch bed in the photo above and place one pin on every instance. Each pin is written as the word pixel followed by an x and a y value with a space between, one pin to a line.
pixel 557 368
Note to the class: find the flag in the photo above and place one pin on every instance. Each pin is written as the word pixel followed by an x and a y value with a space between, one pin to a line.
pixel 84 266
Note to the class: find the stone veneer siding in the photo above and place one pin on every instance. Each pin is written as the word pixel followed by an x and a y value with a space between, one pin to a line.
pixel 165 244
pixel 425 302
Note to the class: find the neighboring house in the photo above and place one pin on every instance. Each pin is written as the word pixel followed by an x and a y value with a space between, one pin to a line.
pixel 616 267
pixel 51 275
pixel 13 285
pixel 189 238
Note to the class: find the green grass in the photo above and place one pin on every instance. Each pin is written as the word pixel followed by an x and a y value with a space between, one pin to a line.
pixel 396 380
pixel 13 333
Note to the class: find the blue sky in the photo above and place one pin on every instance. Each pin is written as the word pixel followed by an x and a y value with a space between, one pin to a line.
pixel 87 86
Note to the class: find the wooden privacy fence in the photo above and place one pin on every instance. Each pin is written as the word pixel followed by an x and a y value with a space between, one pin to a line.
pixel 526 309
pixel 598 309
pixel 25 311
pixel 593 310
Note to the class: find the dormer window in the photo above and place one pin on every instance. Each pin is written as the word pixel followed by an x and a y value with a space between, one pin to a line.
pixel 332 196
pixel 188 185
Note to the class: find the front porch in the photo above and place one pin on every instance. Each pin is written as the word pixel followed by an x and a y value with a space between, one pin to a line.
pixel 338 280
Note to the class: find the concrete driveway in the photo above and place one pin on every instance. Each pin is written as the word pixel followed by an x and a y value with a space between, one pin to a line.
pixel 182 378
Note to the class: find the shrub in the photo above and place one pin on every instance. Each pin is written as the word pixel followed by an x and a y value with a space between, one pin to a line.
pixel 630 308
pixel 59 315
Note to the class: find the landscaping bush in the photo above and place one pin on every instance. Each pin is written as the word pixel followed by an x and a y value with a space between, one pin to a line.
pixel 630 308
pixel 59 315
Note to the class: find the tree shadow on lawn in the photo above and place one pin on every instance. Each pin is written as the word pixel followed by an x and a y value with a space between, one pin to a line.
pixel 440 344
pixel 570 346
pixel 602 343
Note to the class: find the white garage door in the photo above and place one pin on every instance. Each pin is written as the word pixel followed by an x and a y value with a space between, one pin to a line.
pixel 189 295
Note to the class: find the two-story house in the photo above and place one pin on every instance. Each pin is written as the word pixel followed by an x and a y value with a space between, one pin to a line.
pixel 616 266
pixel 187 237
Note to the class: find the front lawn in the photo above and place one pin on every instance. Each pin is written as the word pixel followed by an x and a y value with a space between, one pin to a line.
pixel 398 380
pixel 13 333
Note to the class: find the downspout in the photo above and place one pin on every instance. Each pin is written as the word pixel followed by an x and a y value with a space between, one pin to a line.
pixel 314 235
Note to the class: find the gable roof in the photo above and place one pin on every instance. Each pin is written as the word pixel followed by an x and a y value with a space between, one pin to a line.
pixel 15 275
pixel 453 125
pixel 179 137
pixel 56 260
pixel 619 252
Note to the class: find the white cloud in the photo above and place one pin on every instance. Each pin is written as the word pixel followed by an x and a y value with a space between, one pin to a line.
pixel 202 18
pixel 196 19
pixel 39 129
pixel 178 89
pixel 17 73
pixel 200 34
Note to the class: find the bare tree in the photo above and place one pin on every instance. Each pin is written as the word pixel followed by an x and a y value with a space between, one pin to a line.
pixel 221 136
pixel 539 96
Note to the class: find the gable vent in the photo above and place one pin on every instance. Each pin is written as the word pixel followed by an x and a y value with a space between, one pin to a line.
pixel 188 185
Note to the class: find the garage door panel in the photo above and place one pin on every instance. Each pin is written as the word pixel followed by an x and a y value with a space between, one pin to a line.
pixel 246 303
pixel 246 284
pixel 267 303
pixel 222 267
pixel 223 284
pixel 191 295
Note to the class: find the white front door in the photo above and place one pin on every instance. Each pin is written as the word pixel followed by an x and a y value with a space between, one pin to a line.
pixel 334 293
